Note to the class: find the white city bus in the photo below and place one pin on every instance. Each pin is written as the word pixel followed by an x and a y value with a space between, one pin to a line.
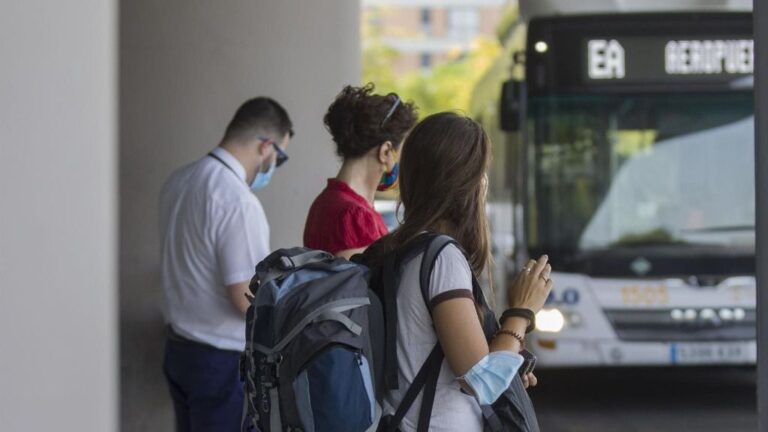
pixel 636 177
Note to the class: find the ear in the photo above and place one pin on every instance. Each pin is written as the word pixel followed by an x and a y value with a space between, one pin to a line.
pixel 264 148
pixel 385 152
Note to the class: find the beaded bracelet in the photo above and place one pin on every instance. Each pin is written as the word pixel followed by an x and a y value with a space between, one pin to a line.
pixel 515 335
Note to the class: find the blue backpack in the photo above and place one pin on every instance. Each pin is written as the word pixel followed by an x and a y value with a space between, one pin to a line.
pixel 308 359
pixel 321 345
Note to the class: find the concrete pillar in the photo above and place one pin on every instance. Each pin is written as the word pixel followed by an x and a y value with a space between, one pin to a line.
pixel 761 190
pixel 58 219
pixel 185 66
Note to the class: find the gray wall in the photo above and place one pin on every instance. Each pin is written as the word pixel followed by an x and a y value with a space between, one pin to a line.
pixel 185 67
pixel 58 369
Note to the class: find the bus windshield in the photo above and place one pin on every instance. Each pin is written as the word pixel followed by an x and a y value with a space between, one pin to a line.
pixel 668 173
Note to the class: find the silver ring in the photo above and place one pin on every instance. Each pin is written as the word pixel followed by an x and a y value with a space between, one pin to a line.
pixel 527 269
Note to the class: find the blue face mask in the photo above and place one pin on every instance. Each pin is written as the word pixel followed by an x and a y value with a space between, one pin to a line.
pixel 492 375
pixel 262 178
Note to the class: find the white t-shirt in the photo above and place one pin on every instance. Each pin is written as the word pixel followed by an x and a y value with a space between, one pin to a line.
pixel 453 410
pixel 213 231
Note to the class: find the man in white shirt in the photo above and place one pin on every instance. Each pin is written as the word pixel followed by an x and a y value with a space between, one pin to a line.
pixel 214 232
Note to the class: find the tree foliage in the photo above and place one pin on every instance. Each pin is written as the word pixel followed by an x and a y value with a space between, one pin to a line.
pixel 446 86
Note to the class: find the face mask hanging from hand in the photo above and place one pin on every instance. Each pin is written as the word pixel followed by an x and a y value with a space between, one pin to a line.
pixel 390 180
pixel 262 178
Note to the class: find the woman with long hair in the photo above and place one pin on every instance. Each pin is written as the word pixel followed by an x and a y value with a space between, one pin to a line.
pixel 443 186
pixel 368 130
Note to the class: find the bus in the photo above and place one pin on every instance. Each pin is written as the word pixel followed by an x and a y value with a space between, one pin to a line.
pixel 634 172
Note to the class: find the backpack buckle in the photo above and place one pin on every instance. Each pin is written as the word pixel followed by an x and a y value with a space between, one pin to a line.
pixel 286 263
pixel 269 371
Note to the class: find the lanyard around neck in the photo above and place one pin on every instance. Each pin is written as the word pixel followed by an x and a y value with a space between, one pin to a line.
pixel 211 154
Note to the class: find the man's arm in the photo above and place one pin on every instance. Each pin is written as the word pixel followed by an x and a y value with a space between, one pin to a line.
pixel 242 241
pixel 236 293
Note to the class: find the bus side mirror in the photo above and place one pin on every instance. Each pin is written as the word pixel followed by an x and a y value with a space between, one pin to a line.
pixel 513 95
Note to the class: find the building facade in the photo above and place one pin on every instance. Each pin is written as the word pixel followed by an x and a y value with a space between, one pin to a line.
pixel 426 33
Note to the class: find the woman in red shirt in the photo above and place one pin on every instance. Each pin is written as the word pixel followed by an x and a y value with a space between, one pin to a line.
pixel 368 130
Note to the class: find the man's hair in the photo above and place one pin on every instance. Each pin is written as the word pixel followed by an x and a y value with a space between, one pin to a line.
pixel 260 115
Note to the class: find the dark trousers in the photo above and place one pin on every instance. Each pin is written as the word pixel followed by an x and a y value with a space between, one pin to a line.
pixel 205 386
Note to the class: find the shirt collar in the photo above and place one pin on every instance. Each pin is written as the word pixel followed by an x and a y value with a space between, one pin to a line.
pixel 231 161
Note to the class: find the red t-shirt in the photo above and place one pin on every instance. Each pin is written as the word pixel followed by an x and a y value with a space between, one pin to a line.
pixel 340 219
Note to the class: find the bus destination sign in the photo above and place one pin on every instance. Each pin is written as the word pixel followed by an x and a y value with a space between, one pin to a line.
pixel 637 60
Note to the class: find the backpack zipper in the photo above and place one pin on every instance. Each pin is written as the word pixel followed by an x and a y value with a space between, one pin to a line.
pixel 330 346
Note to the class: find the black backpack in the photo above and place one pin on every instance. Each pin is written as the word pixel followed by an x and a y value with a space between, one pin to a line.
pixel 513 411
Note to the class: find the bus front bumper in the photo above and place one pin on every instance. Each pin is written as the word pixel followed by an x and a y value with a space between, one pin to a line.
pixel 554 353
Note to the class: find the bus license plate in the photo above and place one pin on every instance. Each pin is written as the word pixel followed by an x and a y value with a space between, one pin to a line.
pixel 693 353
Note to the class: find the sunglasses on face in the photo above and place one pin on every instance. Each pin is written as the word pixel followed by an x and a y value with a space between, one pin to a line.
pixel 282 156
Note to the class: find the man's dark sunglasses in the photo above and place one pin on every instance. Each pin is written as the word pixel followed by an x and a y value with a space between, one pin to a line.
pixel 282 156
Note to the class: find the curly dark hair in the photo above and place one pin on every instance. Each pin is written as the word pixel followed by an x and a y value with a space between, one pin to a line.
pixel 356 120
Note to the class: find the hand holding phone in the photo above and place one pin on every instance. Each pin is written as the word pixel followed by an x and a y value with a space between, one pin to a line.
pixel 529 363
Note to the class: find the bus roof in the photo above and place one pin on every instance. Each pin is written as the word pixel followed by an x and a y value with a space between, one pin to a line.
pixel 541 8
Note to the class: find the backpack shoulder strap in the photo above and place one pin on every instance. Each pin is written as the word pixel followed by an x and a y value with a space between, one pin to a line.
pixel 426 378
pixel 433 250
pixel 390 284
pixel 430 389
pixel 423 378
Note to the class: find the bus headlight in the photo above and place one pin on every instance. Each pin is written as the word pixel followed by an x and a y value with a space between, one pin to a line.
pixel 726 314
pixel 550 320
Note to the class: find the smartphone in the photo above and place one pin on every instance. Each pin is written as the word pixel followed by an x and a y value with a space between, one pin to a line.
pixel 529 363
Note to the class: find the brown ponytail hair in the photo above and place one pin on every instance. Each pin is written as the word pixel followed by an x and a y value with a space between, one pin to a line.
pixel 443 185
